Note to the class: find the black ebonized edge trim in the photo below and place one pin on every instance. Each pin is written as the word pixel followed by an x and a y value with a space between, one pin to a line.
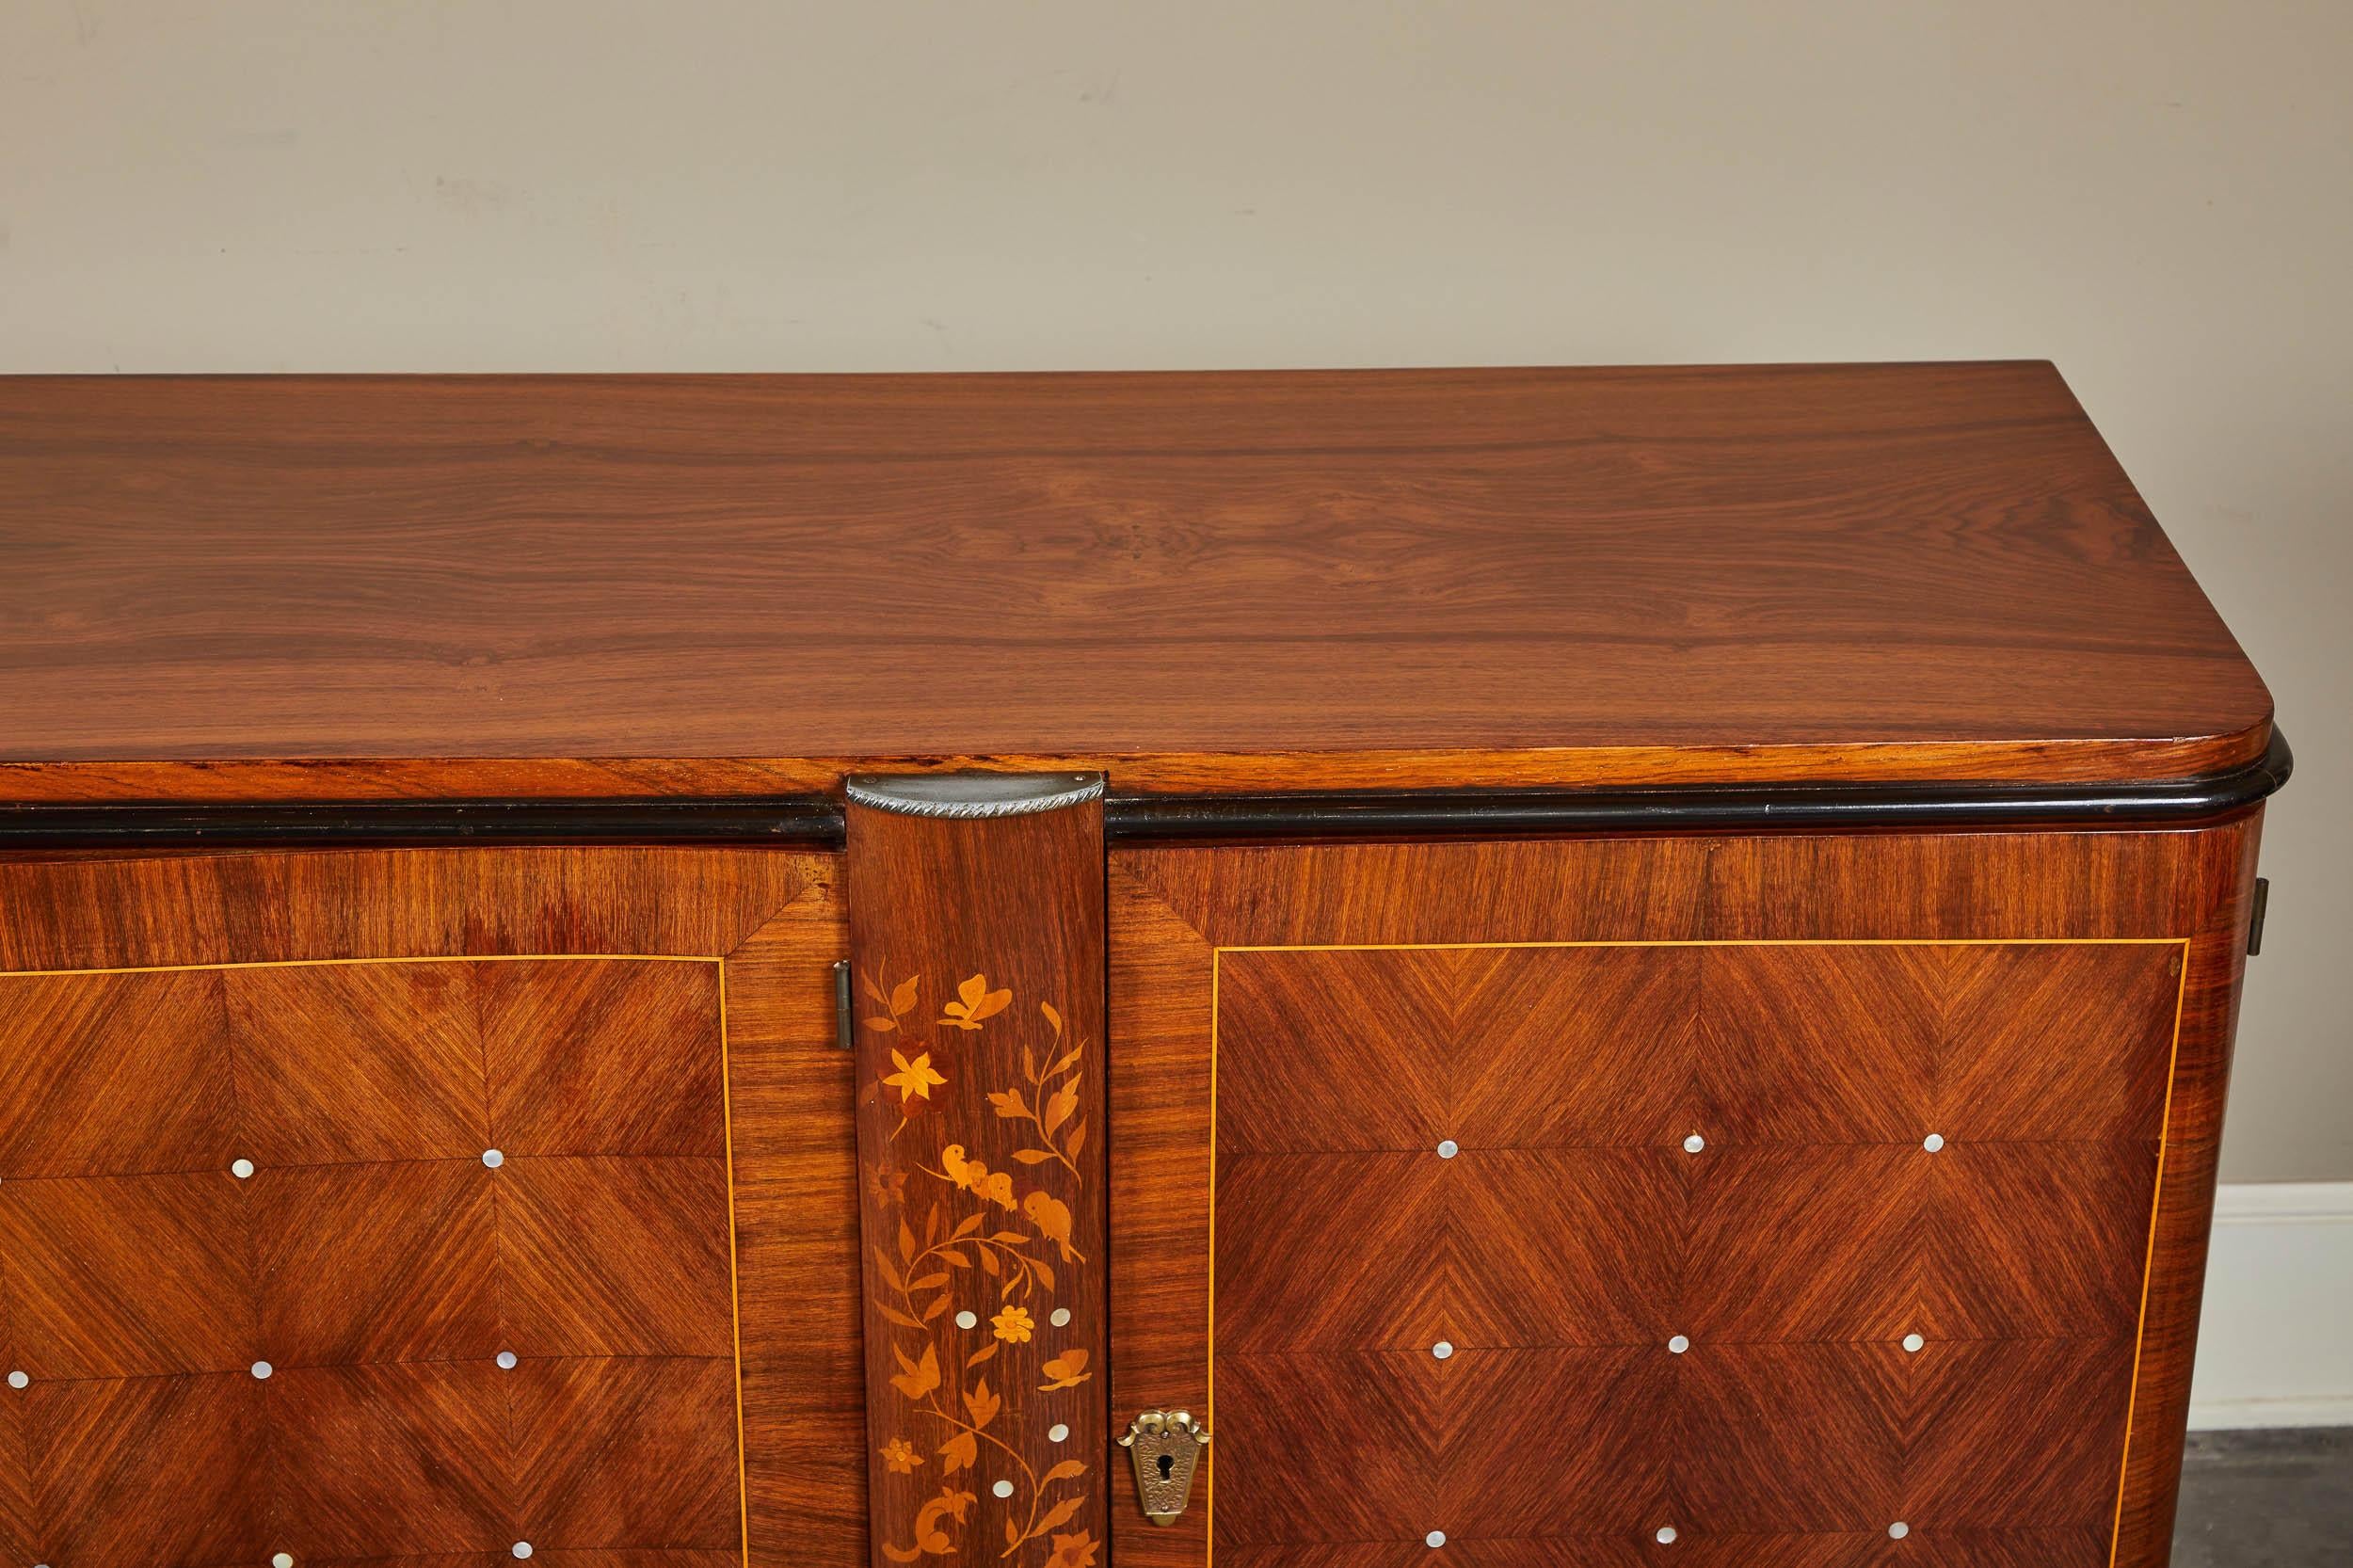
pixel 1490 813
pixel 816 820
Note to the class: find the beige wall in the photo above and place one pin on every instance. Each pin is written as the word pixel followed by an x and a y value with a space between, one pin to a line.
pixel 2158 196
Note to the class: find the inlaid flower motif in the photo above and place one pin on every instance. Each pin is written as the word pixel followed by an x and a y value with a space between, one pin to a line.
pixel 1012 1325
pixel 901 1456
pixel 1073 1551
pixel 914 1079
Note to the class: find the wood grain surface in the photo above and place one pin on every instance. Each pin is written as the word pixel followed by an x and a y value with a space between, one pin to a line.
pixel 306 588
pixel 2028 1017
pixel 977 948
pixel 663 1239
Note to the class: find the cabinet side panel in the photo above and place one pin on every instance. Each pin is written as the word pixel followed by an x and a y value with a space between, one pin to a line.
pixel 2224 869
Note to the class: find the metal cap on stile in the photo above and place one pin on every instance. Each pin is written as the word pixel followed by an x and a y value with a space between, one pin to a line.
pixel 972 794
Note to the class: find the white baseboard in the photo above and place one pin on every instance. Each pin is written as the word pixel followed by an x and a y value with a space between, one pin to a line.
pixel 2275 1346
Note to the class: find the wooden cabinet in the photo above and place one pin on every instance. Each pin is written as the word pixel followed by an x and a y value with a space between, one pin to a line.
pixel 1608 966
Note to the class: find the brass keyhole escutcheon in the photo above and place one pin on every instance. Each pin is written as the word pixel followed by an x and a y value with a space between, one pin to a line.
pixel 1165 1446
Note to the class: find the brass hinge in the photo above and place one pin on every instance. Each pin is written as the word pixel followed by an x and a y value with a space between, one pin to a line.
pixel 844 1035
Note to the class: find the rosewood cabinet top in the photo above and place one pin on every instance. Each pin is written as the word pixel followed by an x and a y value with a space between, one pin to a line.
pixel 339 588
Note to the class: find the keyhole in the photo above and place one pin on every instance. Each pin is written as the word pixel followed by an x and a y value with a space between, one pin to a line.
pixel 1168 1466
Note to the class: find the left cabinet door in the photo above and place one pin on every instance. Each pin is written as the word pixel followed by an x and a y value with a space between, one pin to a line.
pixel 428 1206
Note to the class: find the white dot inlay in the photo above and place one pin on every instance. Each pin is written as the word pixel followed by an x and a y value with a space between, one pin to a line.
pixel 1694 1143
pixel 1914 1343
pixel 1003 1489
pixel 283 1559
pixel 1666 1535
pixel 1061 1317
pixel 523 1548
pixel 1933 1142
pixel 1435 1538
pixel 1443 1348
pixel 262 1368
pixel 1897 1530
pixel 241 1168
pixel 1678 1344
pixel 506 1361
pixel 493 1159
pixel 1057 1433
pixel 968 1320
pixel 1448 1148
pixel 19 1380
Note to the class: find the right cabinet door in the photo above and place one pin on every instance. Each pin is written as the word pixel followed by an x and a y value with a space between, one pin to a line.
pixel 1722 1201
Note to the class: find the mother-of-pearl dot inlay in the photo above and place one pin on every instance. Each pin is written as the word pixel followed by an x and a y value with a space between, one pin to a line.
pixel 1061 1317
pixel 19 1380
pixel 493 1159
pixel 1897 1530
pixel 1933 1142
pixel 241 1168
pixel 1694 1143
pixel 506 1361
pixel 1666 1535
pixel 1435 1538
pixel 968 1320
pixel 1443 1348
pixel 1678 1344
pixel 523 1548
pixel 1057 1433
pixel 1914 1343
pixel 262 1368
pixel 1448 1148
pixel 283 1559
pixel 1003 1489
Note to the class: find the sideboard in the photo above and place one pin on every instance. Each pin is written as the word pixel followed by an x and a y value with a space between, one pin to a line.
pixel 1572 966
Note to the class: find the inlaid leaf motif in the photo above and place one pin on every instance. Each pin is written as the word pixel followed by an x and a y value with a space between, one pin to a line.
pixel 960 1452
pixel 1063 1102
pixel 982 1404
pixel 915 1378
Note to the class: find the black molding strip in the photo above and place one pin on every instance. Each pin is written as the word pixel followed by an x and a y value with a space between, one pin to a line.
pixel 1376 813
pixel 816 820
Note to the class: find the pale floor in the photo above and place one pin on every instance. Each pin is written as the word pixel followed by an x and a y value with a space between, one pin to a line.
pixel 2266 1500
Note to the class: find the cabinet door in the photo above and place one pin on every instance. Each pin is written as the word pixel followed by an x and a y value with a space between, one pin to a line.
pixel 1766 1200
pixel 427 1206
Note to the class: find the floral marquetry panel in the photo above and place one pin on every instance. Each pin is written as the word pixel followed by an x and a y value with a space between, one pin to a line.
pixel 979 1026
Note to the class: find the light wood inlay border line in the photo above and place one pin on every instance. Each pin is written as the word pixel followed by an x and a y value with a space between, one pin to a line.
pixel 1209 1481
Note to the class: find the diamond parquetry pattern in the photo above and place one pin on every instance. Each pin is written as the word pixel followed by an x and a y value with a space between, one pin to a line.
pixel 1567 1235
pixel 202 1171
